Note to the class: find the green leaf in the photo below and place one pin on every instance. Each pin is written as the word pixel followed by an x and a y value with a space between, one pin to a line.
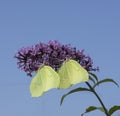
pixel 114 109
pixel 105 80
pixel 92 79
pixel 92 108
pixel 73 91
pixel 93 76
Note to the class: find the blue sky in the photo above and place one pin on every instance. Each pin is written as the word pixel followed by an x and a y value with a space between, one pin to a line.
pixel 90 25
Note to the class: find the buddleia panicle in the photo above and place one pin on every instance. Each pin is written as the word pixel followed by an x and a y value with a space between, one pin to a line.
pixel 52 54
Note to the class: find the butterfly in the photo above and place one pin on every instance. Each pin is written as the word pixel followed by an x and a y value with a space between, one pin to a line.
pixel 45 79
pixel 71 72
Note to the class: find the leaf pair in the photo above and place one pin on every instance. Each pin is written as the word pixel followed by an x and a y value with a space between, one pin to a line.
pixel 71 72
pixel 110 112
pixel 97 82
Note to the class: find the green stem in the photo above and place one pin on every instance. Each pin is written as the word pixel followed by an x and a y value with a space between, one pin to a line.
pixel 99 99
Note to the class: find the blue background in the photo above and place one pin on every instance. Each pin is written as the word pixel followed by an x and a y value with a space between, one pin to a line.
pixel 93 25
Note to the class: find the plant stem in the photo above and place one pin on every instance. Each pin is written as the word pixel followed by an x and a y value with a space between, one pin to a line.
pixel 99 99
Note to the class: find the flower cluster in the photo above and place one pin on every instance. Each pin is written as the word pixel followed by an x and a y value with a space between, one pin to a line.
pixel 53 54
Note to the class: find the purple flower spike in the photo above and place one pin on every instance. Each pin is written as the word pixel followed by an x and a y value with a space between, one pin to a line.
pixel 53 54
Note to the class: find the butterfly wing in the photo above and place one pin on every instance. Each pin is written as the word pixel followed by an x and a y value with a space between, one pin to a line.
pixel 37 85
